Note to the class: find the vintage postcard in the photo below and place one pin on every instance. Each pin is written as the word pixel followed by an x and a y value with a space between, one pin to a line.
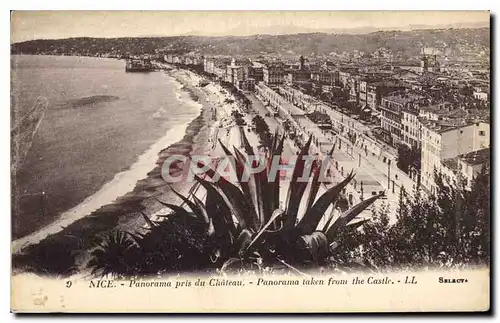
pixel 250 162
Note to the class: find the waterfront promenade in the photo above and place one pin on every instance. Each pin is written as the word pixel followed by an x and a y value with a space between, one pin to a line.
pixel 371 176
pixel 374 165
pixel 343 162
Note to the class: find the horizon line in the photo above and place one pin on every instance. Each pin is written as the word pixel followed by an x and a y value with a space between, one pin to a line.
pixel 192 34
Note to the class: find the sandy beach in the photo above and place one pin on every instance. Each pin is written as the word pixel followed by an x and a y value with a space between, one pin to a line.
pixel 72 236
pixel 200 137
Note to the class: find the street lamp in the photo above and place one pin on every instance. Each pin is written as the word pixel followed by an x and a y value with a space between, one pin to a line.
pixel 388 173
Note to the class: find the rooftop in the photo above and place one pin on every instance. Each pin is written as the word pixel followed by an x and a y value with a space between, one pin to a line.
pixel 451 163
pixel 447 111
pixel 386 83
pixel 243 62
pixel 483 115
pixel 275 65
pixel 455 114
pixel 404 98
pixel 438 108
pixel 221 60
pixel 323 72
pixel 441 126
pixel 348 69
pixel 299 72
pixel 477 157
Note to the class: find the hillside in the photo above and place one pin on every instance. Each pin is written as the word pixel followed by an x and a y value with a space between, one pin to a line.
pixel 453 42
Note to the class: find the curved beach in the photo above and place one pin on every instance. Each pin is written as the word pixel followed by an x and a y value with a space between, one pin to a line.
pixel 118 203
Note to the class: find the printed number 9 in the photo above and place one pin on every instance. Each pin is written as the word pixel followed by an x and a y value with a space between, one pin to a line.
pixel 68 284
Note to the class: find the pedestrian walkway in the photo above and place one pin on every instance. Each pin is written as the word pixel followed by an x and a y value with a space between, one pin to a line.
pixel 389 173
pixel 367 180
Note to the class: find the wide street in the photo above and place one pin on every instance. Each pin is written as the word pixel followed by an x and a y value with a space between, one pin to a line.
pixel 373 180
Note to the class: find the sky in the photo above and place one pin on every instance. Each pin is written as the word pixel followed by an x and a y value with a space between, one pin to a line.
pixel 29 25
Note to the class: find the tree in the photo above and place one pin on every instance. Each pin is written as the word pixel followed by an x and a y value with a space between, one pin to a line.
pixel 474 227
pixel 448 229
pixel 409 158
pixel 319 117
pixel 260 124
pixel 262 130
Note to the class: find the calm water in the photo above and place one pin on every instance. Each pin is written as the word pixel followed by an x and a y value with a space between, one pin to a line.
pixel 99 120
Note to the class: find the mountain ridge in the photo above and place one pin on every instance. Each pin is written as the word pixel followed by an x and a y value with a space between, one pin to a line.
pixel 454 41
pixel 293 29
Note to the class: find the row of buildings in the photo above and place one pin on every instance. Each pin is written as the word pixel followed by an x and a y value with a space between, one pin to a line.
pixel 444 133
pixel 183 59
pixel 453 138
pixel 365 85
pixel 448 139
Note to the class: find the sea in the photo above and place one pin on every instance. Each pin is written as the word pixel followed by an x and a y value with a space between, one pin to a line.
pixel 100 134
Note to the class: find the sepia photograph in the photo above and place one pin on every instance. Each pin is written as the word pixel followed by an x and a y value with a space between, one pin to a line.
pixel 249 159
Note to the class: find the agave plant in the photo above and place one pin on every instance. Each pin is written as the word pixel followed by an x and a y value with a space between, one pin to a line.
pixel 242 225
pixel 259 226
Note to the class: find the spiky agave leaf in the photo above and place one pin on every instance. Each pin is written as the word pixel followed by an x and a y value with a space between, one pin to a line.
pixel 243 208
pixel 251 218
pixel 277 148
pixel 253 190
pixel 224 207
pixel 197 208
pixel 179 212
pixel 246 143
pixel 216 212
pixel 238 168
pixel 330 217
pixel 311 218
pixel 210 230
pixel 243 241
pixel 238 205
pixel 315 184
pixel 148 220
pixel 267 195
pixel 356 225
pixel 273 186
pixel 296 188
pixel 189 203
pixel 349 215
pixel 277 213
pixel 265 191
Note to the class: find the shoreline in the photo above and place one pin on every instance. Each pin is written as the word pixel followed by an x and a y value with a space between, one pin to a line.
pixel 80 235
pixel 195 141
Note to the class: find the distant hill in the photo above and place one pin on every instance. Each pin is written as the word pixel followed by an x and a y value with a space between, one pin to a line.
pixel 293 29
pixel 453 42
